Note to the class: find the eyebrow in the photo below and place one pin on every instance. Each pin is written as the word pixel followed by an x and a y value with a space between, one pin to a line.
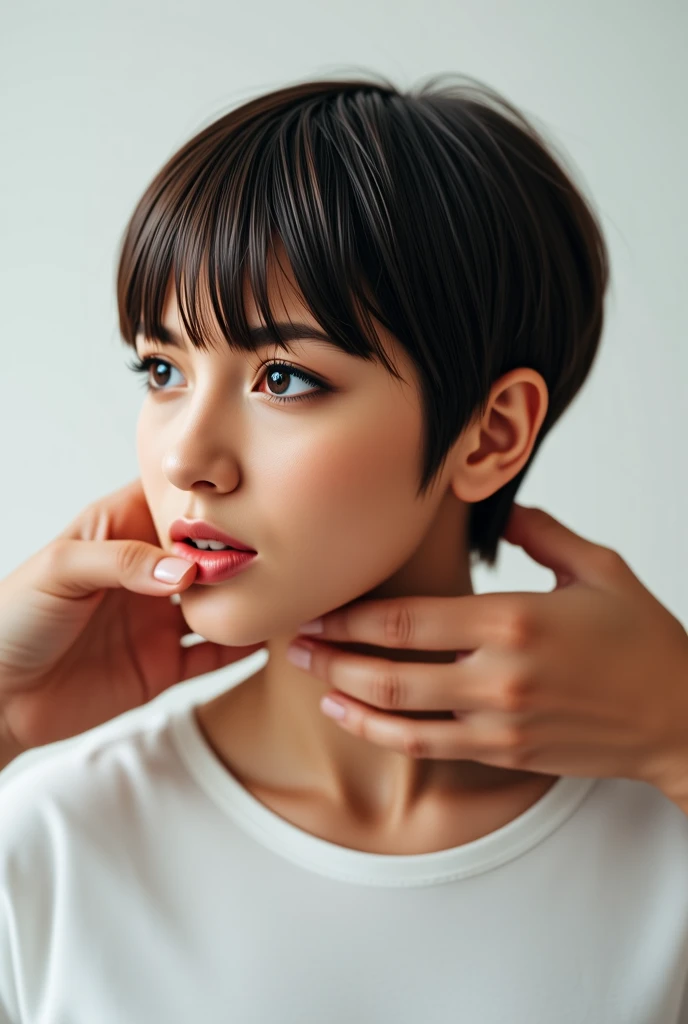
pixel 287 331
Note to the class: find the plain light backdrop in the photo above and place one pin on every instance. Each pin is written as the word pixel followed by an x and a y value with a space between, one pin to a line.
pixel 97 96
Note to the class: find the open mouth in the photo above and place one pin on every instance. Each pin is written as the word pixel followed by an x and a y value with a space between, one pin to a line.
pixel 439 716
pixel 216 547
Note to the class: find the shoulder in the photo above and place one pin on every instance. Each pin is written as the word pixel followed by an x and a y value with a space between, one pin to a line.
pixel 631 825
pixel 62 833
pixel 78 784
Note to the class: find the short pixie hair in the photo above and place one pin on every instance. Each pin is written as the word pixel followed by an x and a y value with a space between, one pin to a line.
pixel 440 210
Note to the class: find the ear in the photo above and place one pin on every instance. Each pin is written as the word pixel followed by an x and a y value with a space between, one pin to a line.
pixel 498 443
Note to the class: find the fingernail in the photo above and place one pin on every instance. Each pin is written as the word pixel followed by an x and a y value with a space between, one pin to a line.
pixel 171 570
pixel 314 626
pixel 299 656
pixel 332 708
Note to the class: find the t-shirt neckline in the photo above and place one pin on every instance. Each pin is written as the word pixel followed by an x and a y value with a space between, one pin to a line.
pixel 359 866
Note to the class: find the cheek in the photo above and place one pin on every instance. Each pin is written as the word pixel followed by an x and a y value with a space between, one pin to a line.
pixel 346 498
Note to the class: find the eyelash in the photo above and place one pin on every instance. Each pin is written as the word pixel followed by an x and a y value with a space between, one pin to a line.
pixel 143 366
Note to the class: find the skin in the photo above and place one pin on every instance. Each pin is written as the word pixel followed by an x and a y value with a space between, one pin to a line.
pixel 325 491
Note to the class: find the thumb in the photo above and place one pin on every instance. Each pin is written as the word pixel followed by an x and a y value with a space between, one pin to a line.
pixel 552 544
pixel 78 568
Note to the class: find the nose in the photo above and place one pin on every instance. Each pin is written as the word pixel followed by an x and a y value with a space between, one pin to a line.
pixel 202 453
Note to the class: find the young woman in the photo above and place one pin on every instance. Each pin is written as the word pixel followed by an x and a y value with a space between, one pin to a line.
pixel 357 313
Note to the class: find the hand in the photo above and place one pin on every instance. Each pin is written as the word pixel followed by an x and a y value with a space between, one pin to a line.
pixel 87 632
pixel 590 679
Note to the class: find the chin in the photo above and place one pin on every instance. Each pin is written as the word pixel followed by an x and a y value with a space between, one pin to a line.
pixel 219 622
pixel 225 637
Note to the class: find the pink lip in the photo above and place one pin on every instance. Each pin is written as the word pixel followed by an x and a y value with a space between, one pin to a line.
pixel 214 566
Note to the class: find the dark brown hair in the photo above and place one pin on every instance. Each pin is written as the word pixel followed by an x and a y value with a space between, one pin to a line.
pixel 439 210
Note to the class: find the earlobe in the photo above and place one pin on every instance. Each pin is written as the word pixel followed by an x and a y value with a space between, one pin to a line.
pixel 493 449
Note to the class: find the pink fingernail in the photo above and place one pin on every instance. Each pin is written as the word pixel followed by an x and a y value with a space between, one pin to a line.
pixel 314 626
pixel 171 570
pixel 299 656
pixel 332 708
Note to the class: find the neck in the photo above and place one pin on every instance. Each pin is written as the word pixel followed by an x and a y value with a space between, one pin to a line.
pixel 280 740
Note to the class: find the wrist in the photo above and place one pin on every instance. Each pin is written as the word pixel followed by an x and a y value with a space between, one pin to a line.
pixel 670 774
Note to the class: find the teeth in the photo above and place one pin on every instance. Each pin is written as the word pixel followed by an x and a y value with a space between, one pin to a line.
pixel 210 545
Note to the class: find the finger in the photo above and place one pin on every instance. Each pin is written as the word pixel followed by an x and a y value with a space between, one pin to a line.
pixel 122 514
pixel 443 740
pixel 77 569
pixel 567 554
pixel 130 514
pixel 432 623
pixel 401 685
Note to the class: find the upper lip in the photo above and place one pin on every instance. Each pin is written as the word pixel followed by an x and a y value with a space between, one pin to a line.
pixel 199 529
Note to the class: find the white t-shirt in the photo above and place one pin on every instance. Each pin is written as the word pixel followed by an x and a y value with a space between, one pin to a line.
pixel 141 883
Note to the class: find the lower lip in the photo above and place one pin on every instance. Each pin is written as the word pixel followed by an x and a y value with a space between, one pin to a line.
pixel 214 566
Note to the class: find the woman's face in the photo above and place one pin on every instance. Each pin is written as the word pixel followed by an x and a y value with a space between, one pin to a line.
pixel 323 488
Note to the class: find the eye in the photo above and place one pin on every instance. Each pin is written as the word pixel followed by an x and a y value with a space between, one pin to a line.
pixel 277 373
pixel 275 376
pixel 145 365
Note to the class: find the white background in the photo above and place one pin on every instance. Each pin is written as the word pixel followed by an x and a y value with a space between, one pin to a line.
pixel 96 96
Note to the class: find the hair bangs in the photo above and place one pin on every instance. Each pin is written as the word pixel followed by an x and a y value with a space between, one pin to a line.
pixel 211 222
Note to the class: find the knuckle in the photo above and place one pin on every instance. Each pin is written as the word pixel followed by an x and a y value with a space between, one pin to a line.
pixel 87 524
pixel 388 690
pixel 49 567
pixel 414 746
pixel 398 625
pixel 519 629
pixel 90 511
pixel 515 692
pixel 608 561
pixel 363 728
pixel 53 556
pixel 129 557
pixel 87 521
pixel 55 550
